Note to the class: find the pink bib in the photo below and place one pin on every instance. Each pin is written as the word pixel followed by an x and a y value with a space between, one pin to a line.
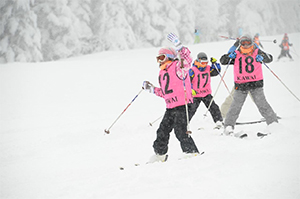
pixel 172 87
pixel 201 82
pixel 246 68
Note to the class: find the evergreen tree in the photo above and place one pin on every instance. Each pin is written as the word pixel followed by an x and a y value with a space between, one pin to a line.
pixel 19 35
pixel 57 24
pixel 82 10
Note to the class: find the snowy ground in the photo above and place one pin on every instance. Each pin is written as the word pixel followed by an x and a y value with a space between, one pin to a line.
pixel 53 145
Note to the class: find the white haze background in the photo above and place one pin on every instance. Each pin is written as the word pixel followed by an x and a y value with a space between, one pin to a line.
pixel 53 144
pixel 47 30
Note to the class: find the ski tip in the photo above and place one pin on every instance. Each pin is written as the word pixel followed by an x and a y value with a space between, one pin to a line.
pixel 243 136
pixel 261 135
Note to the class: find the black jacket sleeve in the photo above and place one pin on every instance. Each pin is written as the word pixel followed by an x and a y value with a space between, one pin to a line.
pixel 224 60
pixel 267 57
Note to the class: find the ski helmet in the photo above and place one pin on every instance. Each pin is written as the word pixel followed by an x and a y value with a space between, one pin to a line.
pixel 201 61
pixel 246 40
pixel 166 53
pixel 202 56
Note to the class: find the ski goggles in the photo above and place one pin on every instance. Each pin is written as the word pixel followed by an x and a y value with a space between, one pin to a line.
pixel 203 62
pixel 246 43
pixel 163 57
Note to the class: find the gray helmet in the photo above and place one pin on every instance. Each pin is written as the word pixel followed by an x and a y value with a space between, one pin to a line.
pixel 202 56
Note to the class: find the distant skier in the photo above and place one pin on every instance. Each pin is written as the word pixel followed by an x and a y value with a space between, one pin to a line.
pixel 171 89
pixel 197 36
pixel 200 75
pixel 248 77
pixel 257 41
pixel 285 47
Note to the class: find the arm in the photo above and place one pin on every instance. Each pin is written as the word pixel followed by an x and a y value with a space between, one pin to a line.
pixel 225 59
pixel 192 74
pixel 158 92
pixel 267 58
pixel 215 69
pixel 184 64
pixel 185 54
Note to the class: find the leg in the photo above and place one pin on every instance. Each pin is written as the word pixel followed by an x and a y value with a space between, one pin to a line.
pixel 263 106
pixel 282 54
pixel 180 127
pixel 289 55
pixel 160 145
pixel 226 104
pixel 239 98
pixel 214 108
pixel 193 107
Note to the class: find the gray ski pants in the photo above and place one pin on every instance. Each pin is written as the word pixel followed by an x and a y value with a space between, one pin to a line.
pixel 260 101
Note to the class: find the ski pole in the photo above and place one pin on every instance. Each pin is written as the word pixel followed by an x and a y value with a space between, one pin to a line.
pixel 107 131
pixel 224 83
pixel 217 89
pixel 225 37
pixel 274 41
pixel 173 38
pixel 185 101
pixel 281 82
pixel 294 51
pixel 151 123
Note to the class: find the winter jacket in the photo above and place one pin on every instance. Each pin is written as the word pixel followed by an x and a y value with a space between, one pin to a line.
pixel 247 71
pixel 201 78
pixel 172 80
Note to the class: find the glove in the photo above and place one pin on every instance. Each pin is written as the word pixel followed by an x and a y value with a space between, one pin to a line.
pixel 291 44
pixel 259 58
pixel 232 55
pixel 213 60
pixel 194 92
pixel 232 49
pixel 175 40
pixel 148 86
pixel 215 66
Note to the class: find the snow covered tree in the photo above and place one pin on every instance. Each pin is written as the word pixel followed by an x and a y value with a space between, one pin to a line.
pixel 20 39
pixel 57 23
pixel 207 19
pixel 82 10
pixel 185 23
pixel 111 27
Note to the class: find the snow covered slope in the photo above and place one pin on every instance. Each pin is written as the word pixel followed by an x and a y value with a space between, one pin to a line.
pixel 53 145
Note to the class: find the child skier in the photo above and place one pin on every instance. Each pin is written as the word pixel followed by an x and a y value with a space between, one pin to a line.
pixel 200 75
pixel 248 77
pixel 257 41
pixel 285 48
pixel 176 97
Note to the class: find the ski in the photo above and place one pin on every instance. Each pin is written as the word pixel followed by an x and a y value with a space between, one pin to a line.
pixel 255 122
pixel 261 135
pixel 258 134
pixel 148 163
pixel 251 122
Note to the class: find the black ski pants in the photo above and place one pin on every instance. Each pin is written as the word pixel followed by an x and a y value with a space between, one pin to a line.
pixel 285 53
pixel 174 118
pixel 213 109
